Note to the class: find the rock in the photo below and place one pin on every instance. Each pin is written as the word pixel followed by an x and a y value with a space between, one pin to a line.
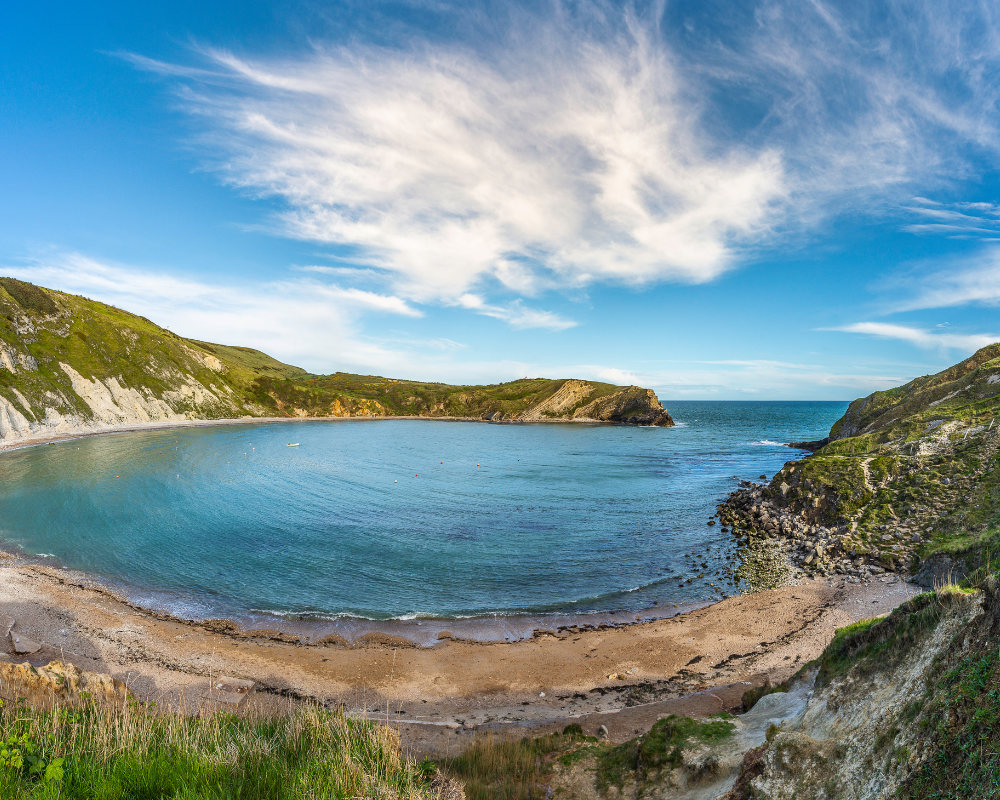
pixel 66 681
pixel 22 645
pixel 939 570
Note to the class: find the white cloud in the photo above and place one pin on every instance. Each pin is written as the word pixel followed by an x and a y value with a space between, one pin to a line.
pixel 574 159
pixel 921 337
pixel 516 313
pixel 948 283
pixel 306 322
pixel 742 379
pixel 597 142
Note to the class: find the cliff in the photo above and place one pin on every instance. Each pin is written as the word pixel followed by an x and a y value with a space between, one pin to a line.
pixel 909 481
pixel 70 365
pixel 904 707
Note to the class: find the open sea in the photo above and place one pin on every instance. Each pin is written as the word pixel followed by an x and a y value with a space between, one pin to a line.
pixel 402 519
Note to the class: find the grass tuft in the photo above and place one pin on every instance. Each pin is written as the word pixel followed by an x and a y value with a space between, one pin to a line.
pixel 128 752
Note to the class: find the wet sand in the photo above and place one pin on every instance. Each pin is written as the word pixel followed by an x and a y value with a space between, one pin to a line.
pixel 624 677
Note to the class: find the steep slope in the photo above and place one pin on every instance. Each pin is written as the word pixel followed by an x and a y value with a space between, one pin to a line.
pixel 69 364
pixel 907 706
pixel 908 481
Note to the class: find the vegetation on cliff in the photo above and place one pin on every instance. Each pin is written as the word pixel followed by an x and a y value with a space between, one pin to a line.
pixel 67 362
pixel 908 476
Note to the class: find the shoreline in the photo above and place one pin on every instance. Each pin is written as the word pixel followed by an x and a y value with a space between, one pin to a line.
pixel 54 437
pixel 408 632
pixel 622 676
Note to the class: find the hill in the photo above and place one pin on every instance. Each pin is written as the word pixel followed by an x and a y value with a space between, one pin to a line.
pixel 69 364
pixel 908 481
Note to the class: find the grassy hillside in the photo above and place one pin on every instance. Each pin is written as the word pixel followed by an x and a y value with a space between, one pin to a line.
pixel 68 362
pixel 908 473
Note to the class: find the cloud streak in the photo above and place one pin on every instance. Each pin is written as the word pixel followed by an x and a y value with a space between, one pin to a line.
pixel 921 337
pixel 306 322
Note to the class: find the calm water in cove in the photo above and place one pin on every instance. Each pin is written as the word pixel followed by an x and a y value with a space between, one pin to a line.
pixel 395 519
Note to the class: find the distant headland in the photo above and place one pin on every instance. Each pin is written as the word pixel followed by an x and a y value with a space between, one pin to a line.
pixel 70 365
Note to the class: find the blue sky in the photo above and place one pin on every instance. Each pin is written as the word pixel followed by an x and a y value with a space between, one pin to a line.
pixel 760 200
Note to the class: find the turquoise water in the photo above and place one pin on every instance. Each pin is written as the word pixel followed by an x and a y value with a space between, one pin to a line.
pixel 385 519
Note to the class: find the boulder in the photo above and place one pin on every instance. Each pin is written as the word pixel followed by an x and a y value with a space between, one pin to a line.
pixel 939 570
pixel 22 645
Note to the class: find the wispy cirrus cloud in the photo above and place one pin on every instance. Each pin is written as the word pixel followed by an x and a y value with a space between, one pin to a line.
pixel 968 279
pixel 929 339
pixel 516 313
pixel 747 378
pixel 979 221
pixel 599 141
pixel 575 158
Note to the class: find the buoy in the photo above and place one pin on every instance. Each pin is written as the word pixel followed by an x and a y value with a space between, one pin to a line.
pixel 442 462
pixel 395 481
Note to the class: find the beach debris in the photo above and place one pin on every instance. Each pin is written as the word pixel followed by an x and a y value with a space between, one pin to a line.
pixel 541 694
pixel 226 689
pixel 23 646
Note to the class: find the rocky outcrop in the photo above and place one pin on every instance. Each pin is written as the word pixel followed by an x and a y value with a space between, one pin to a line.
pixel 632 405
pixel 571 395
pixel 64 682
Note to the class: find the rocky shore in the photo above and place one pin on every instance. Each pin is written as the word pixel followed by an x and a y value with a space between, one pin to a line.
pixel 861 517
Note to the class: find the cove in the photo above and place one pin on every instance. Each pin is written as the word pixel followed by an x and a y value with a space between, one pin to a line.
pixel 401 519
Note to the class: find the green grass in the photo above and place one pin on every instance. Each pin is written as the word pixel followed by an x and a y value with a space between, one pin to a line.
pixel 882 641
pixel 964 721
pixel 29 296
pixel 102 342
pixel 102 753
pixel 516 769
pixel 661 748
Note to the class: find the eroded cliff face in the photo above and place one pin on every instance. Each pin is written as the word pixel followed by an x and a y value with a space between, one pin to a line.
pixel 906 707
pixel 69 365
pixel 630 405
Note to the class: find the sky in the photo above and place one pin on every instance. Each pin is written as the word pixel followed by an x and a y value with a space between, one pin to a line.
pixel 717 200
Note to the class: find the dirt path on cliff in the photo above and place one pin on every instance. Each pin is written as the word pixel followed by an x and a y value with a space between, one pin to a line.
pixel 624 678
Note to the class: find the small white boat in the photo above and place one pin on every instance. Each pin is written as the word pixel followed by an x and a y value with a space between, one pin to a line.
pixel 294 445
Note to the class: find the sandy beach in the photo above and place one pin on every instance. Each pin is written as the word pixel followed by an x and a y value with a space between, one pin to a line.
pixel 624 677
